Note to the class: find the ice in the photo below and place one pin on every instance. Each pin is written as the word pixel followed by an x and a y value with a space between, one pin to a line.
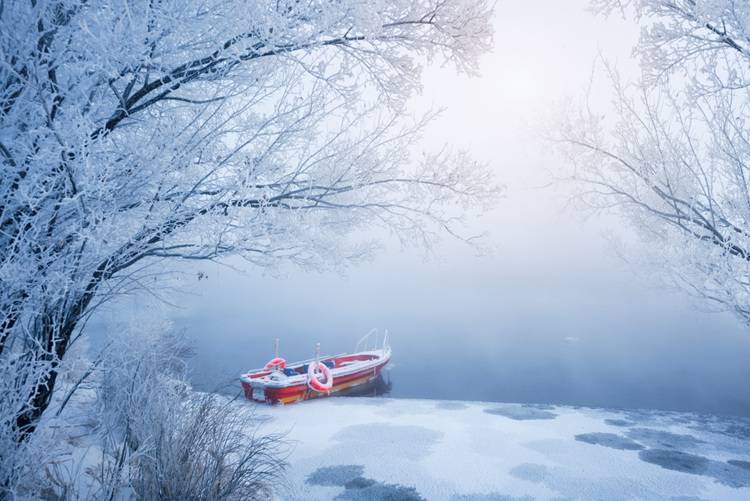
pixel 378 449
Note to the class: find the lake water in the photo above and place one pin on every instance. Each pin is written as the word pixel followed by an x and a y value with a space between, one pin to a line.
pixel 602 343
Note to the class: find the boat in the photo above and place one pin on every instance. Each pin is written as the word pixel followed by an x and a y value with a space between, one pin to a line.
pixel 280 383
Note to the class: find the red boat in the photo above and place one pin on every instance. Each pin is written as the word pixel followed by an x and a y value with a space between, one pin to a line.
pixel 280 383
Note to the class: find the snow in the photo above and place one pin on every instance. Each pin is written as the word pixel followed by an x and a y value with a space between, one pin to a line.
pixel 381 448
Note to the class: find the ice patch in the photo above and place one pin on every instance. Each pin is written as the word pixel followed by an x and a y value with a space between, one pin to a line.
pixel 726 473
pixel 358 488
pixel 729 474
pixel 609 440
pixel 387 440
pixel 450 405
pixel 643 416
pixel 619 422
pixel 676 460
pixel 544 407
pixel 337 475
pixel 568 484
pixel 521 412
pixel 530 472
pixel 489 497
pixel 739 463
pixel 660 439
pixel 740 431
pixel 374 401
pixel 370 490
pixel 359 483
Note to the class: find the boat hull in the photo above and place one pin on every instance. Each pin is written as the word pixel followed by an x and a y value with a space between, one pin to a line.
pixel 292 393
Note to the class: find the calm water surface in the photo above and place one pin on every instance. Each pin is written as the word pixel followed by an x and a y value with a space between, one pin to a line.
pixel 604 344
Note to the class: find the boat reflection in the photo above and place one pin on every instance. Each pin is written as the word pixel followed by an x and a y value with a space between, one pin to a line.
pixel 378 387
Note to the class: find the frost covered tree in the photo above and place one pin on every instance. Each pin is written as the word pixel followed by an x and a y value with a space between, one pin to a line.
pixel 132 131
pixel 674 156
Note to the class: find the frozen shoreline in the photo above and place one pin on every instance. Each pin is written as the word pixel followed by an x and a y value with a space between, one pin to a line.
pixel 373 448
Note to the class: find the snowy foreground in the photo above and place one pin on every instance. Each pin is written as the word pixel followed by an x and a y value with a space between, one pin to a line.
pixel 395 449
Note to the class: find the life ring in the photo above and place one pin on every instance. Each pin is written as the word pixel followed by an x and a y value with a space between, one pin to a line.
pixel 314 370
pixel 276 362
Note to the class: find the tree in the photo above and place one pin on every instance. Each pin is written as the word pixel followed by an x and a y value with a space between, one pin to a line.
pixel 674 159
pixel 136 131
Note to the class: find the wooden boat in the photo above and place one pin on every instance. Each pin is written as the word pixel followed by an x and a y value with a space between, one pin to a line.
pixel 282 383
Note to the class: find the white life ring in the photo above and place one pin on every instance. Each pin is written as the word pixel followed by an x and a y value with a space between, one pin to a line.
pixel 314 372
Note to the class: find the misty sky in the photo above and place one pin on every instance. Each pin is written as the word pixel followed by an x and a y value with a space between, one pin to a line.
pixel 552 315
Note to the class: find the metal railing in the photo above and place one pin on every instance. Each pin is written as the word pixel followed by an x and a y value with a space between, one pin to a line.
pixel 373 340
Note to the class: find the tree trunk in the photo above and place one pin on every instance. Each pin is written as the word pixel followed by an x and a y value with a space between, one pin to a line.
pixel 55 336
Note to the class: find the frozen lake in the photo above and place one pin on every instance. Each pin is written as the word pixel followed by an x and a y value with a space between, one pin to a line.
pixel 411 450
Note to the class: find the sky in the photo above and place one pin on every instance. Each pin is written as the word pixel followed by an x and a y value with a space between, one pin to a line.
pixel 551 314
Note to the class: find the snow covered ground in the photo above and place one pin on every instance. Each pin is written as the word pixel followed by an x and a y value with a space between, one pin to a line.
pixel 396 449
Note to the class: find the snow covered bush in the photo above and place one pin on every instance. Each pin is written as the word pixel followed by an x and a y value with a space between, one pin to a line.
pixel 134 131
pixel 202 450
pixel 136 430
pixel 673 157
pixel 161 440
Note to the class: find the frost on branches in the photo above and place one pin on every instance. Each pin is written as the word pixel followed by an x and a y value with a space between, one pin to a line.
pixel 134 130
pixel 674 158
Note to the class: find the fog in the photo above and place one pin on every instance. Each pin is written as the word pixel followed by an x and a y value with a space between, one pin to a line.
pixel 551 314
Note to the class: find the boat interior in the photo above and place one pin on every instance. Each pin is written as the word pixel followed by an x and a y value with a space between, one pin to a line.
pixel 331 362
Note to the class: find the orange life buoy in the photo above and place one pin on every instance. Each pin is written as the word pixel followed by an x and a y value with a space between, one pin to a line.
pixel 314 372
pixel 276 362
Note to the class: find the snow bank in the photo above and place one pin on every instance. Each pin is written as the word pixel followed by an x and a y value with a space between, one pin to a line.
pixel 379 448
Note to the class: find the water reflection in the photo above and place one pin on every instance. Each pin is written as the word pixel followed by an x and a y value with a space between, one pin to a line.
pixel 378 387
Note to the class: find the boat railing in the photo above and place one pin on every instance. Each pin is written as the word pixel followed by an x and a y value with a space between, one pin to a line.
pixel 303 362
pixel 372 341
